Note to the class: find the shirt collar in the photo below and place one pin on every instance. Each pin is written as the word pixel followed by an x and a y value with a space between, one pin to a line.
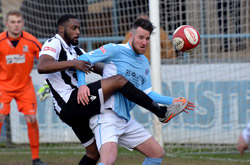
pixel 14 39
pixel 133 49
pixel 65 45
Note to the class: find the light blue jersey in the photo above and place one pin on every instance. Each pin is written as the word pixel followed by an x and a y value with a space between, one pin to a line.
pixel 121 59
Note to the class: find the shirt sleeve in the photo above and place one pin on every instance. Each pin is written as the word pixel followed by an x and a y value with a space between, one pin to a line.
pixel 102 54
pixel 160 98
pixel 51 47
pixel 80 74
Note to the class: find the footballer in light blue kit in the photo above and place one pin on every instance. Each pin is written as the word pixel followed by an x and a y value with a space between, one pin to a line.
pixel 117 127
pixel 121 59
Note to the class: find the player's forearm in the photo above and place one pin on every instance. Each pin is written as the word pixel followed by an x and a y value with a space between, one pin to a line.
pixel 160 98
pixel 54 66
pixel 98 68
pixel 81 74
pixel 80 78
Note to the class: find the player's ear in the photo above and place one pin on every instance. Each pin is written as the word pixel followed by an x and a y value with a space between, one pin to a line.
pixel 6 23
pixel 60 29
pixel 131 34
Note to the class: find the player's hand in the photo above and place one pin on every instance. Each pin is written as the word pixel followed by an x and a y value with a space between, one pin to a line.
pixel 43 92
pixel 83 95
pixel 190 105
pixel 242 145
pixel 82 65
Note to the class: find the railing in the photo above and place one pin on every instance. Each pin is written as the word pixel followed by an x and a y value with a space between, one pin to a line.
pixel 90 40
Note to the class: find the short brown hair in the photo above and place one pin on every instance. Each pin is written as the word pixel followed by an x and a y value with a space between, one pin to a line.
pixel 14 12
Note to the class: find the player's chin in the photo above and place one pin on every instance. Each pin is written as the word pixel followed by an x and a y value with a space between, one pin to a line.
pixel 75 42
pixel 142 51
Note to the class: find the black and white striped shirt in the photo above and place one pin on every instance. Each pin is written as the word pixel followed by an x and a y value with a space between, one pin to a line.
pixel 61 83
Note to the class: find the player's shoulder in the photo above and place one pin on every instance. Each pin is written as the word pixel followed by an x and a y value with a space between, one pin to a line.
pixel 30 38
pixel 53 41
pixel 125 48
pixel 3 35
pixel 52 44
pixel 124 45
pixel 28 35
pixel 115 46
pixel 110 45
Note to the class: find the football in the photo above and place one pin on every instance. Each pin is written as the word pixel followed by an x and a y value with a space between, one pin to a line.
pixel 186 38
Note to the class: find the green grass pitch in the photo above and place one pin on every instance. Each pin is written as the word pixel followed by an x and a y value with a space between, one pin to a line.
pixel 19 155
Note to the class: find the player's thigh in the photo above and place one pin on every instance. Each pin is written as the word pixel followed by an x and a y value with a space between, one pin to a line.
pixel 84 133
pixel 5 100
pixel 75 116
pixel 74 113
pixel 134 135
pixel 112 84
pixel 150 148
pixel 26 100
pixel 107 127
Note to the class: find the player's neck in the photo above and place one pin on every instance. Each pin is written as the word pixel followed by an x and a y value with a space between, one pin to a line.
pixel 130 45
pixel 14 36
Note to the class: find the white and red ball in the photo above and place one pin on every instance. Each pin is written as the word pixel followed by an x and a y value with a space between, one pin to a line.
pixel 186 38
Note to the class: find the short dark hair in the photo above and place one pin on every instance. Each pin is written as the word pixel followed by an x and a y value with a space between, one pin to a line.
pixel 143 23
pixel 65 18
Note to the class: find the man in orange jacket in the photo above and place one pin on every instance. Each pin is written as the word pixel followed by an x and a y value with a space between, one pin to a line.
pixel 17 51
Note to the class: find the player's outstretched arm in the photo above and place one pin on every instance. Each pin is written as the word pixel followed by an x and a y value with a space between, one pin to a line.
pixel 47 64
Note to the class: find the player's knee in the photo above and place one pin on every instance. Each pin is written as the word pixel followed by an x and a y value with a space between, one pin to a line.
pixel 121 80
pixel 2 117
pixel 30 118
pixel 159 153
